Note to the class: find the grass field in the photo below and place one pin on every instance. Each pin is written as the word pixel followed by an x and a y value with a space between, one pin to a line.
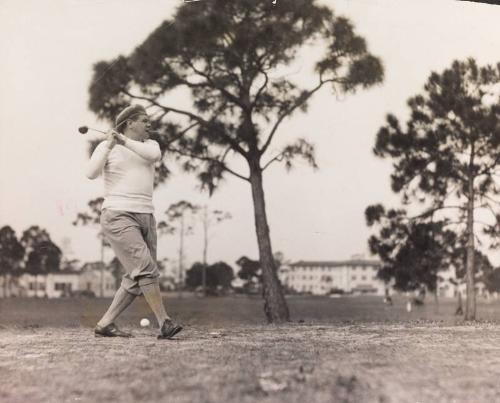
pixel 334 350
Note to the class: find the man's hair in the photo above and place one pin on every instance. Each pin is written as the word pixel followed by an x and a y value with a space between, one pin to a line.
pixel 131 112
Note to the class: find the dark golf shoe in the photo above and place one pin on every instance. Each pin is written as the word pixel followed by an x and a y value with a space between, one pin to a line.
pixel 110 331
pixel 169 329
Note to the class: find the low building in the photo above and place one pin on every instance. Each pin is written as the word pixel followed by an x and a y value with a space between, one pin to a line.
pixel 356 276
pixel 91 277
pixel 449 286
pixel 8 285
pixel 64 283
pixel 169 274
pixel 51 285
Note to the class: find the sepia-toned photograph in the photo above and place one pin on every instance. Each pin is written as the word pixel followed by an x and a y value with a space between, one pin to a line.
pixel 282 201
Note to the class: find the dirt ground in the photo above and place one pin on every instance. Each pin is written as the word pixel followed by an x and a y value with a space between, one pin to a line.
pixel 216 360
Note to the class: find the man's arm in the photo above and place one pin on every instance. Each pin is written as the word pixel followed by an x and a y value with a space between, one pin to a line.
pixel 98 159
pixel 149 150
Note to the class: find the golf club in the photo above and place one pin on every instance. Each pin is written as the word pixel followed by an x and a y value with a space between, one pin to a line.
pixel 85 129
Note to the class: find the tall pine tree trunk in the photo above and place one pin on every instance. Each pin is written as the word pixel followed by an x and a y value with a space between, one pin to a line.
pixel 181 256
pixel 460 309
pixel 101 288
pixel 5 285
pixel 470 303
pixel 436 296
pixel 205 251
pixel 275 306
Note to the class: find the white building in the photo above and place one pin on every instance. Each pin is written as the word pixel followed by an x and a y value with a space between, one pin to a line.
pixel 449 287
pixel 91 277
pixel 169 274
pixel 64 283
pixel 358 276
pixel 52 285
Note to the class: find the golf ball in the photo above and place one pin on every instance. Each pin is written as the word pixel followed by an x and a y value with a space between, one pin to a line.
pixel 144 322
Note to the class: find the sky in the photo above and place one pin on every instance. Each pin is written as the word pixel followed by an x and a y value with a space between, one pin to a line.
pixel 48 50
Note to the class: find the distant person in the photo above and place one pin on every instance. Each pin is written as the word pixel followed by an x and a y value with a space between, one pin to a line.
pixel 459 310
pixel 128 164
pixel 387 297
pixel 418 300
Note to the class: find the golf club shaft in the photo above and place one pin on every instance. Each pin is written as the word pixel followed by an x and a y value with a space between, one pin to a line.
pixel 96 130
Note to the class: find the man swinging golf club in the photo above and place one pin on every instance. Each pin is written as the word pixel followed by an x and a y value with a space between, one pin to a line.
pixel 127 161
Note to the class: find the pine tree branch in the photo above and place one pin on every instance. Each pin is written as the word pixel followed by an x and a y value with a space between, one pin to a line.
pixel 431 211
pixel 225 154
pixel 409 180
pixel 182 133
pixel 225 92
pixel 262 87
pixel 197 118
pixel 278 157
pixel 487 170
pixel 209 159
pixel 491 200
pixel 300 101
pixel 167 108
pixel 232 74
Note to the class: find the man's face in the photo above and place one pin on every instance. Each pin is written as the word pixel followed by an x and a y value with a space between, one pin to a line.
pixel 140 127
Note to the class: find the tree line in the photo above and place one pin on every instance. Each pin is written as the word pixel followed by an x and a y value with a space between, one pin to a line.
pixel 33 253
pixel 220 276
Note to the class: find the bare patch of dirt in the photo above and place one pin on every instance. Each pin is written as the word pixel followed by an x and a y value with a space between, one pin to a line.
pixel 411 362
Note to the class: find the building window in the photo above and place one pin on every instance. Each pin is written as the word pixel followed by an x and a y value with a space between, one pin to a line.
pixel 363 277
pixel 353 278
pixel 62 286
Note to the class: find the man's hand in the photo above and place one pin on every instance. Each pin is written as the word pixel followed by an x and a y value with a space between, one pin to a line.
pixel 120 138
pixel 112 141
pixel 115 138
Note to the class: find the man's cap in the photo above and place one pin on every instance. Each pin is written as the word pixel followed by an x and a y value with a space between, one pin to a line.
pixel 129 113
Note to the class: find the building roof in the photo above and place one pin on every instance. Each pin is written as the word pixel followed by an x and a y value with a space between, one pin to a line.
pixel 93 266
pixel 338 263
